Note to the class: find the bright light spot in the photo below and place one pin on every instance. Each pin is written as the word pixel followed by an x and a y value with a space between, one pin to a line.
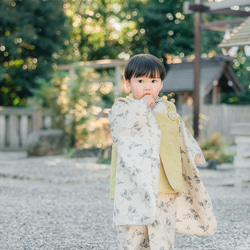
pixel 64 86
pixel 66 5
pixel 190 101
pixel 170 32
pixel 178 15
pixel 236 7
pixel 170 16
pixel 81 89
pixel 106 88
pixel 115 24
pixel 237 64
pixel 96 110
pixel 134 13
pixel 114 35
pixel 83 103
pixel 141 19
pixel 2 48
pixel 89 19
pixel 142 31
pixel 17 40
pixel 116 7
pixel 124 56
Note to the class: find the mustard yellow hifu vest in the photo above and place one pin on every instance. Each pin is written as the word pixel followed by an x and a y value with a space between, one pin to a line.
pixel 170 180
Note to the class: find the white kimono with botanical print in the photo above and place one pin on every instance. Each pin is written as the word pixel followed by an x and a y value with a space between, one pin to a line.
pixel 136 137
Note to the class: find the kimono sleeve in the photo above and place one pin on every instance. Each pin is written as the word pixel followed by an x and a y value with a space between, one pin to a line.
pixel 136 137
pixel 126 119
pixel 192 145
pixel 194 208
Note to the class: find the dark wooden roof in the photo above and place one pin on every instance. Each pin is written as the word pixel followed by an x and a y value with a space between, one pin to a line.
pixel 180 77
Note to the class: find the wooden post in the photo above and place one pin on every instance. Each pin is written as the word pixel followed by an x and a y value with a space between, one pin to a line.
pixel 196 109
pixel 72 74
pixel 2 131
pixel 14 135
pixel 118 81
pixel 24 130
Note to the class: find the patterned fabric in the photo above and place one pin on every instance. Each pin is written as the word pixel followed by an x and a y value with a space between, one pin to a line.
pixel 158 235
pixel 136 137
pixel 194 208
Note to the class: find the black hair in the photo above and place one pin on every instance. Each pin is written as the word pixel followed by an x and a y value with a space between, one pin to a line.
pixel 144 65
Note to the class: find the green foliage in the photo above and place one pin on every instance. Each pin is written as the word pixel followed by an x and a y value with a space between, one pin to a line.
pixel 30 33
pixel 115 29
pixel 69 102
pixel 242 69
pixel 105 161
pixel 211 38
pixel 213 148
pixel 75 105
pixel 35 34
pixel 161 28
pixel 98 31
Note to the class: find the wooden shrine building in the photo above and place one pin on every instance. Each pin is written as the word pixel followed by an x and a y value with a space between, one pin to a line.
pixel 217 76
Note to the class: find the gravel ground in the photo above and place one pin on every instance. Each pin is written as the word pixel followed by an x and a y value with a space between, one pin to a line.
pixel 57 203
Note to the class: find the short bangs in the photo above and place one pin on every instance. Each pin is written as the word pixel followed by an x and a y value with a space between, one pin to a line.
pixel 145 65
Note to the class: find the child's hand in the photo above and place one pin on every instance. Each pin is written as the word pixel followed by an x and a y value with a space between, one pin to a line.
pixel 149 100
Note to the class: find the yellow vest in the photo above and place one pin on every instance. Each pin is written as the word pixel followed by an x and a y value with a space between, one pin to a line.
pixel 170 180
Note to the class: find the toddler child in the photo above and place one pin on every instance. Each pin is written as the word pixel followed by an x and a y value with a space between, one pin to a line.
pixel 155 184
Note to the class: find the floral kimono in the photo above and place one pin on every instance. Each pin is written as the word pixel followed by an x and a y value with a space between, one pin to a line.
pixel 136 167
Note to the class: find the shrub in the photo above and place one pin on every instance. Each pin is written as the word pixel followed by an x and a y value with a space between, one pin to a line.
pixel 213 148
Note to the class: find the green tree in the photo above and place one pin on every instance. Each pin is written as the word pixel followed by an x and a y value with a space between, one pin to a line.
pixel 31 33
pixel 161 28
pixel 99 32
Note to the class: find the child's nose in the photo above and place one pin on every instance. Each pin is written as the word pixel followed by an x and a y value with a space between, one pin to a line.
pixel 147 85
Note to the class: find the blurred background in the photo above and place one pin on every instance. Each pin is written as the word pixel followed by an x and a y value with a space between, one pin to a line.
pixel 61 65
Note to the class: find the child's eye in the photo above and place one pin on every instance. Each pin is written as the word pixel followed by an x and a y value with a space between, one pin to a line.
pixel 140 81
pixel 154 81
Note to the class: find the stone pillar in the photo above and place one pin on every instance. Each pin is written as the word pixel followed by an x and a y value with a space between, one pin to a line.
pixel 241 132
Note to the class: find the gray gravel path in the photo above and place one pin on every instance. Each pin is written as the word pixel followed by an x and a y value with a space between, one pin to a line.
pixel 57 203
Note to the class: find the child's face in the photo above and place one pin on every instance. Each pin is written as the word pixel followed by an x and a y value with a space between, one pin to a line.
pixel 142 86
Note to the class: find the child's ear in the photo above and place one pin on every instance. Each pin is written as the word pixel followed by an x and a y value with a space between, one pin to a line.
pixel 128 84
pixel 161 84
